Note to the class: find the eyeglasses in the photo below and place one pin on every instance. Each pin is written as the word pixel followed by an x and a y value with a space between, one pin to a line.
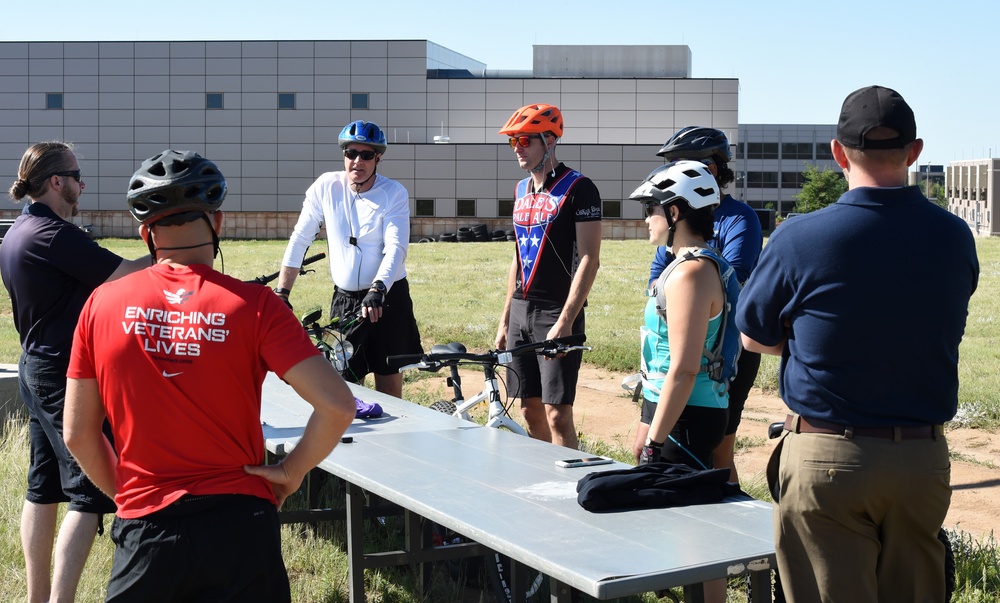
pixel 353 154
pixel 522 141
pixel 651 207
pixel 74 174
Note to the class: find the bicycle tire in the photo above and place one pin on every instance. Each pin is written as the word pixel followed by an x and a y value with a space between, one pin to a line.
pixel 445 406
pixel 498 572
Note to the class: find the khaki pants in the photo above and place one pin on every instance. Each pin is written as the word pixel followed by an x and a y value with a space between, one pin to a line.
pixel 857 518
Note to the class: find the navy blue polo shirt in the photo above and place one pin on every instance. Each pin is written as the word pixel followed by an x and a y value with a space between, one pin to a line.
pixel 874 291
pixel 50 267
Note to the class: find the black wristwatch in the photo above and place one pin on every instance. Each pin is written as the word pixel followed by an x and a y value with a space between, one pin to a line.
pixel 651 444
pixel 379 286
pixel 282 292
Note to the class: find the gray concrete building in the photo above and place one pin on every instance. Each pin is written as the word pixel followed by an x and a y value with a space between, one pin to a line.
pixel 971 188
pixel 770 158
pixel 269 112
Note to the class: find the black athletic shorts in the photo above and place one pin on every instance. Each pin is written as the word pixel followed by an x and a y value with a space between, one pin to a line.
pixel 53 474
pixel 200 549
pixel 533 376
pixel 697 433
pixel 739 389
pixel 394 334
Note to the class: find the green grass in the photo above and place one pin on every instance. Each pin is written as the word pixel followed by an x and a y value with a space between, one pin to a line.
pixel 458 292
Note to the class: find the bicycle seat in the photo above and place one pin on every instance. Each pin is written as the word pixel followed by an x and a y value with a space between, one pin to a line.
pixel 448 348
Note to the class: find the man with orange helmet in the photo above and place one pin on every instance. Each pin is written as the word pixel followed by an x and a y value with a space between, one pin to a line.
pixel 557 220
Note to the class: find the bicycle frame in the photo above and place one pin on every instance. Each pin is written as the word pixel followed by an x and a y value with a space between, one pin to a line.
pixel 452 355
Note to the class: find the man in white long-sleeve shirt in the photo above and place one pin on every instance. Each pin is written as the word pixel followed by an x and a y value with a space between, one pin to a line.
pixel 367 218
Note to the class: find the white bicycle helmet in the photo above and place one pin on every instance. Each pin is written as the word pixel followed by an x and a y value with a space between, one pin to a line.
pixel 688 181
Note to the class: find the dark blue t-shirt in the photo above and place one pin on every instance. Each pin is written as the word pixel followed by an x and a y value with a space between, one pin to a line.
pixel 874 291
pixel 50 267
pixel 737 236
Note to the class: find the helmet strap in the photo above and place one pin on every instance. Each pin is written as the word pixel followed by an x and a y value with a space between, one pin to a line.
pixel 545 159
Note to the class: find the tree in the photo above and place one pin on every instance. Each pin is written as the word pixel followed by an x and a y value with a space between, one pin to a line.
pixel 935 192
pixel 821 188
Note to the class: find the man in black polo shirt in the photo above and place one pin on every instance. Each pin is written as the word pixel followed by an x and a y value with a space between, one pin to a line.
pixel 49 268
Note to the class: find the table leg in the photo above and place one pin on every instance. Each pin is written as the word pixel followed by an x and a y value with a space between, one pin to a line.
pixel 694 593
pixel 559 592
pixel 355 543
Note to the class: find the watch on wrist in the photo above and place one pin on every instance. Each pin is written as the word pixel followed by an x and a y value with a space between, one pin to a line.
pixel 282 292
pixel 651 444
pixel 379 286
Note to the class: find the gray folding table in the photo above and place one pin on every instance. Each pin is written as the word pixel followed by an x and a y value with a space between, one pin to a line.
pixel 505 492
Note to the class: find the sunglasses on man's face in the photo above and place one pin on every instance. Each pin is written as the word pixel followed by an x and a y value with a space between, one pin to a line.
pixel 74 174
pixel 353 154
pixel 522 141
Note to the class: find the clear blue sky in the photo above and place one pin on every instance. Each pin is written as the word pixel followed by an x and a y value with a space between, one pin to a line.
pixel 796 61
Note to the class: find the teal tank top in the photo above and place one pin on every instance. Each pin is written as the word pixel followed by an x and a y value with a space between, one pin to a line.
pixel 656 361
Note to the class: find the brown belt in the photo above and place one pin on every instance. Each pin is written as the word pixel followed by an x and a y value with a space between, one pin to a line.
pixel 804 425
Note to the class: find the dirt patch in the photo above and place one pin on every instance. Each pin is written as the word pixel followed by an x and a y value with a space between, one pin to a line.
pixel 604 411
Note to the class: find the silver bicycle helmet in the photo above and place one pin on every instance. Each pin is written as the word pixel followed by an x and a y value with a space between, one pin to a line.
pixel 175 182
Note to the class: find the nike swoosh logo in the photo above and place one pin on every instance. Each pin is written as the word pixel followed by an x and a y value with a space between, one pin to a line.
pixel 169 375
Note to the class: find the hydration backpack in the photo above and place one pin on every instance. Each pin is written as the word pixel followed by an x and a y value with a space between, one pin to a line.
pixel 722 358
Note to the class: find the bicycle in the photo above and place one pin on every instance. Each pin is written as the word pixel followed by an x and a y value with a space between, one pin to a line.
pixel 340 350
pixel 452 355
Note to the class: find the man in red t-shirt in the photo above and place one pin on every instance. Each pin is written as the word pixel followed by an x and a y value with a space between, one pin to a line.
pixel 174 357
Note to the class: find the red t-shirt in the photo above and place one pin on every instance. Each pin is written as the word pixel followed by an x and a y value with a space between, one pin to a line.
pixel 179 356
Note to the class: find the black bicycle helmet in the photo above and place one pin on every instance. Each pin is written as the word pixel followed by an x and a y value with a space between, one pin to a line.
pixel 175 182
pixel 697 142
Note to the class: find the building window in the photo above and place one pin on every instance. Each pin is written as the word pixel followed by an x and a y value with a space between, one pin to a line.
pixel 797 150
pixel 286 100
pixel 740 147
pixel 213 100
pixel 612 209
pixel 424 208
pixel 359 100
pixel 762 179
pixel 466 208
pixel 792 180
pixel 823 151
pixel 505 208
pixel 762 150
pixel 53 100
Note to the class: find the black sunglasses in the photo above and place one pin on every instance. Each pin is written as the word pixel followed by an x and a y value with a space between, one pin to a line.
pixel 651 208
pixel 74 174
pixel 522 141
pixel 353 154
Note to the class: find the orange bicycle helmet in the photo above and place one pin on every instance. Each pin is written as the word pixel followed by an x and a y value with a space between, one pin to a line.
pixel 534 119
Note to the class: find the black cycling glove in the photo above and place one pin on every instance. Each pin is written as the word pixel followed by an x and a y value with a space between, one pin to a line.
pixel 372 301
pixel 650 454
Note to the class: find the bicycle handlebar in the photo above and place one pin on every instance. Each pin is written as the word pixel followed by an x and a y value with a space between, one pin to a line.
pixel 433 362
pixel 267 278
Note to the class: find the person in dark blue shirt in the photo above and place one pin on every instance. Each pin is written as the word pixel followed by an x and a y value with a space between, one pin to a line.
pixel 50 267
pixel 866 303
pixel 739 239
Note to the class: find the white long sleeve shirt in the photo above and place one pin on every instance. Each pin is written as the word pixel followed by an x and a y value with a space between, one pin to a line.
pixel 377 219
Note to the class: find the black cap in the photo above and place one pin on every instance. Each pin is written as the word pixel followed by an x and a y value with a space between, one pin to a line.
pixel 873 107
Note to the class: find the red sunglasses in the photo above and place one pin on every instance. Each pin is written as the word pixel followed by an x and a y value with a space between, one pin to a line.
pixel 522 141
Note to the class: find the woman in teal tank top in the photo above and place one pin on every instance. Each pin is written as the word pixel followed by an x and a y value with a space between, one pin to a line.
pixel 684 412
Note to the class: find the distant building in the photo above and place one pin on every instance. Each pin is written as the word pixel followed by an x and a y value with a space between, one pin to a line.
pixel 771 158
pixel 971 188
pixel 269 112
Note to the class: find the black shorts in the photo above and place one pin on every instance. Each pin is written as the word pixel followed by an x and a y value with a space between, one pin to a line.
pixel 53 474
pixel 533 376
pixel 205 548
pixel 698 431
pixel 394 334
pixel 739 389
